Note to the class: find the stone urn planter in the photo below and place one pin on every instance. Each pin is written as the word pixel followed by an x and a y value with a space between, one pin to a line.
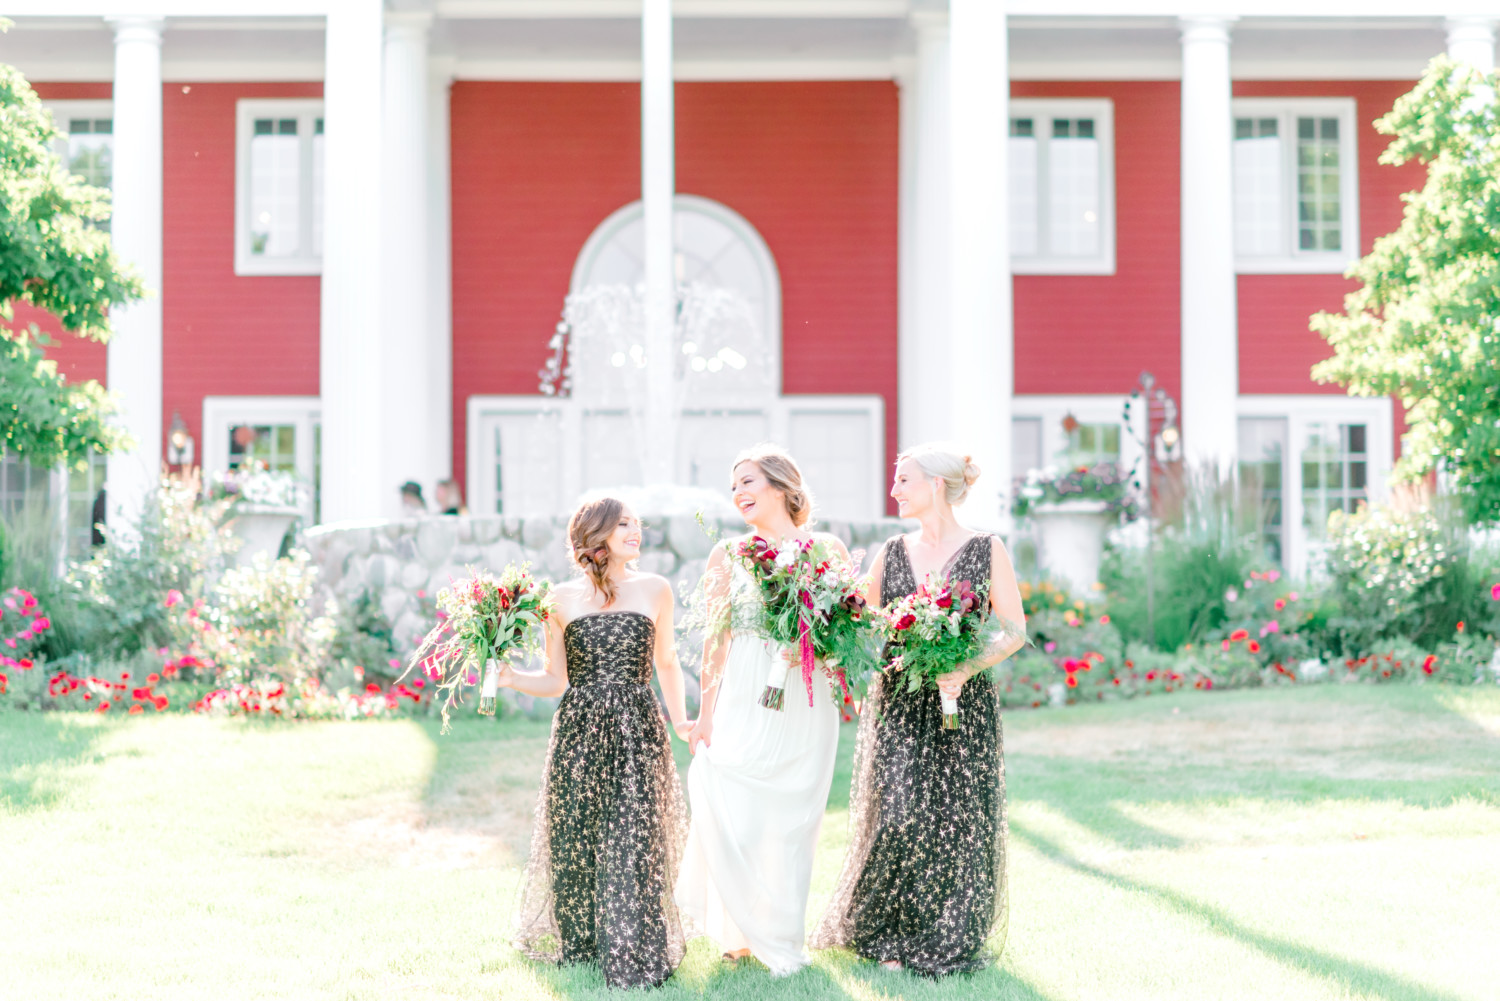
pixel 260 529
pixel 1070 540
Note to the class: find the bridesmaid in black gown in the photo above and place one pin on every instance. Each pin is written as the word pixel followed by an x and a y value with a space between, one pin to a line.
pixel 924 884
pixel 610 819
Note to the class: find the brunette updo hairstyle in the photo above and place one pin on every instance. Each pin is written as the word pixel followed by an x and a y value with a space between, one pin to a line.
pixel 783 473
pixel 944 461
pixel 588 541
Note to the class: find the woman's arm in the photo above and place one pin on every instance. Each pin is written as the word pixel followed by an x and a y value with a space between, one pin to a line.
pixel 1005 605
pixel 872 581
pixel 552 680
pixel 668 667
pixel 715 645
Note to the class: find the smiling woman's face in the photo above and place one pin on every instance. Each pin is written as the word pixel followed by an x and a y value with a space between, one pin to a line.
pixel 625 541
pixel 753 494
pixel 912 489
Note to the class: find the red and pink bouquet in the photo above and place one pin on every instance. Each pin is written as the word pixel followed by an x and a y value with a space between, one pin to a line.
pixel 812 602
pixel 482 619
pixel 939 629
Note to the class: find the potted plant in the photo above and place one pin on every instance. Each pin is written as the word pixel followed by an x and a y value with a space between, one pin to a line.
pixel 1072 510
pixel 264 505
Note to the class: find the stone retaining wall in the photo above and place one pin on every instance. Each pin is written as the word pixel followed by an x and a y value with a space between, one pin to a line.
pixel 401 562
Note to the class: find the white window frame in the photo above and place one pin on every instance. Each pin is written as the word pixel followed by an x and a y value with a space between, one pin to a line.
pixel 220 413
pixel 1102 111
pixel 1102 408
pixel 480 485
pixel 1299 553
pixel 1287 110
pixel 306 110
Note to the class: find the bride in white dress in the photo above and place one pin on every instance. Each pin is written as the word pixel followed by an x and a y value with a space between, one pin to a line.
pixel 758 784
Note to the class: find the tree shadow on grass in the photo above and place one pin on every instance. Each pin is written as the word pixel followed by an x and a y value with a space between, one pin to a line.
pixel 1450 758
pixel 38 753
pixel 1341 972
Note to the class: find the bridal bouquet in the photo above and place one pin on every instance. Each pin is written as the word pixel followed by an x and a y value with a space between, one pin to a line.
pixel 482 619
pixel 936 630
pixel 811 601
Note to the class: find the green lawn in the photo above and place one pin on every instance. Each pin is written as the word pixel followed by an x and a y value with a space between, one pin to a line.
pixel 1334 842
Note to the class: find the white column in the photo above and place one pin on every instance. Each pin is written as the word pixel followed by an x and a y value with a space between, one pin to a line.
pixel 981 359
pixel 405 311
pixel 1210 326
pixel 440 270
pixel 1472 40
pixel 923 335
pixel 355 483
pixel 135 352
pixel 658 183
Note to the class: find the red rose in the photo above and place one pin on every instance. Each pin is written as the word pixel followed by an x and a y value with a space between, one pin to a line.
pixel 906 621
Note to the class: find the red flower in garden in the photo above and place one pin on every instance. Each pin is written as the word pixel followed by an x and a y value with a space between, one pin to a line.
pixel 1238 635
pixel 174 597
pixel 1279 604
pixel 137 710
pixel 372 688
pixel 1430 664
pixel 1460 627
pixel 1254 647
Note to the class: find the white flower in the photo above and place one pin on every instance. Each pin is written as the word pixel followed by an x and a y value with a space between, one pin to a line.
pixel 786 557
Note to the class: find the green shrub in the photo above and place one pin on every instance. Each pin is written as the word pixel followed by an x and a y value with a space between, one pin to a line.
pixel 179 544
pixel 259 622
pixel 1400 571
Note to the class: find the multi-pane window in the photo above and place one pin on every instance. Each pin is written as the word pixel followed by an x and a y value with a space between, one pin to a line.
pixel 280 182
pixel 1335 473
pixel 1061 186
pixel 1262 445
pixel 1295 185
pixel 86 144
pixel 23 487
pixel 1091 444
pixel 273 445
pixel 86 506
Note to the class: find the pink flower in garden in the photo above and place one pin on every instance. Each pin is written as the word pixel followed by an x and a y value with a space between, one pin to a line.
pixel 1270 627
pixel 1495 592
pixel 395 664
pixel 1273 575
pixel 1226 646
pixel 40 622
pixel 1279 604
pixel 1050 647
pixel 174 597
pixel 1292 596
pixel 1104 620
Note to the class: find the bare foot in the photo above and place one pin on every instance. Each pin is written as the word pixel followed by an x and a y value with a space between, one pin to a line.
pixel 894 965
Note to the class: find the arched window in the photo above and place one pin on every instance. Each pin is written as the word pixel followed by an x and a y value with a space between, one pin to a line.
pixel 533 454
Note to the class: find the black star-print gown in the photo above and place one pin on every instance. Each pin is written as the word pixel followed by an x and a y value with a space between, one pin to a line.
pixel 924 881
pixel 610 819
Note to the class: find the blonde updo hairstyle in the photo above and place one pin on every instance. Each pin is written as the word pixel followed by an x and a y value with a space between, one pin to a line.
pixel 588 541
pixel 943 461
pixel 783 473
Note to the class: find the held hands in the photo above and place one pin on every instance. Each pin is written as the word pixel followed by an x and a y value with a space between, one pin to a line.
pixel 700 732
pixel 683 729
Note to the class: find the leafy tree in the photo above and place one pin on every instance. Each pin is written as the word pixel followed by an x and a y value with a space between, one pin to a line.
pixel 54 257
pixel 1426 324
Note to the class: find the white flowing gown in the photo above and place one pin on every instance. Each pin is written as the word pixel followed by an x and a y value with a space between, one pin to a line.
pixel 757 795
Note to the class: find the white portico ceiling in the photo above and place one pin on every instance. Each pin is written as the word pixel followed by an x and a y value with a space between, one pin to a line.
pixel 740 39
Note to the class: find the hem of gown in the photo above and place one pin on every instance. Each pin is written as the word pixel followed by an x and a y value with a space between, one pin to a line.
pixel 974 965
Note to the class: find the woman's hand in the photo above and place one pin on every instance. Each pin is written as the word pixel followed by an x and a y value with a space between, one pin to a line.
pixel 701 732
pixel 682 729
pixel 952 683
pixel 505 675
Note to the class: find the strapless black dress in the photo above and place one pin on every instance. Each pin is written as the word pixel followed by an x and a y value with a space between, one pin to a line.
pixel 610 819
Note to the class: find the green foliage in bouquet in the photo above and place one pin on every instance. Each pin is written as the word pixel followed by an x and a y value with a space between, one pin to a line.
pixel 812 600
pixel 481 618
pixel 938 629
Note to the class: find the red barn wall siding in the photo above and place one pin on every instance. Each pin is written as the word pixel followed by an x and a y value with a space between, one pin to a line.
pixel 1096 333
pixel 223 334
pixel 1277 348
pixel 537 166
pixel 77 359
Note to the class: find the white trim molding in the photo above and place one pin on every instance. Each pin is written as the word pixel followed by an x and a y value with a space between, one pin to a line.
pixel 304 413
